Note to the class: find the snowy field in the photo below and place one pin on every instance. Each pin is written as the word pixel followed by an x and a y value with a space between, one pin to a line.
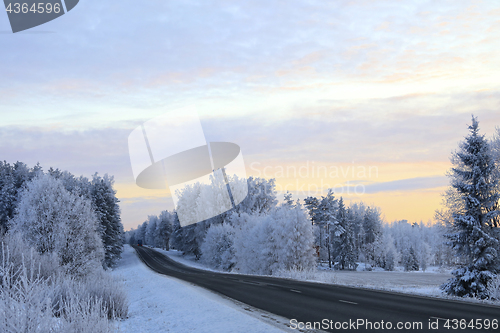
pixel 411 282
pixel 162 304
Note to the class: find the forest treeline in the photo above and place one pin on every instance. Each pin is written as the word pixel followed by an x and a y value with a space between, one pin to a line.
pixel 262 236
pixel 59 233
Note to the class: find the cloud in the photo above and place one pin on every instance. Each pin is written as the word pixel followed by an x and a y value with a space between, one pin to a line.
pixel 412 184
pixel 80 152
pixel 197 49
pixel 408 129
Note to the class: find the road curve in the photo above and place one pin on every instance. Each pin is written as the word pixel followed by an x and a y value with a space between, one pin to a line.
pixel 354 309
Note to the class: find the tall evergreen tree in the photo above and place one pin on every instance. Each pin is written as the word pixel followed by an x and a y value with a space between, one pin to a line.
pixel 311 203
pixel 495 151
pixel 372 224
pixel 176 239
pixel 12 179
pixel 140 235
pixel 288 199
pixel 164 229
pixel 130 236
pixel 476 216
pixel 410 261
pixel 346 257
pixel 150 237
pixel 323 212
pixel 107 210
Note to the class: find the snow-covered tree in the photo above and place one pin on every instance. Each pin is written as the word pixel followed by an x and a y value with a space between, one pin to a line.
pixel 80 186
pixel 176 239
pixel 495 152
pixel 51 219
pixel 279 240
pixel 12 179
pixel 475 225
pixel 164 229
pixel 425 256
pixel 190 238
pixel 105 204
pixel 293 234
pixel 288 199
pixel 217 249
pixel 495 148
pixel 410 261
pixel 443 254
pixel 261 196
pixel 141 232
pixel 252 244
pixel 130 237
pixel 199 202
pixel 323 212
pixel 150 235
pixel 156 231
pixel 372 224
pixel 356 214
pixel 311 204
pixel 194 200
pixel 372 229
pixel 390 258
pixel 346 252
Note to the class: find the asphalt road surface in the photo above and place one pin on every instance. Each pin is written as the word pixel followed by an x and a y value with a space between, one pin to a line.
pixel 334 308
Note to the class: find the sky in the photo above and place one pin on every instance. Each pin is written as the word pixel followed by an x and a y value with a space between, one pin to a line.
pixel 367 97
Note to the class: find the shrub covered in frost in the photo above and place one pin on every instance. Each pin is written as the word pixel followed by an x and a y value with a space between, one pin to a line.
pixel 37 295
pixel 281 239
pixel 53 220
pixel 217 249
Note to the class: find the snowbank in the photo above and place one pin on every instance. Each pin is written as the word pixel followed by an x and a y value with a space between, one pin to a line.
pixel 162 304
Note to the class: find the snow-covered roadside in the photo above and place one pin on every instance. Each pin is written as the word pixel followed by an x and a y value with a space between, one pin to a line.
pixel 185 259
pixel 424 283
pixel 415 283
pixel 162 304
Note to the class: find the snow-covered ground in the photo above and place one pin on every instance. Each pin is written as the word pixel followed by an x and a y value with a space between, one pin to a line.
pixel 422 283
pixel 162 304
pixel 417 283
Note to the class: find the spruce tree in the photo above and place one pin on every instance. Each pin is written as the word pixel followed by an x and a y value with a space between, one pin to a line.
pixel 12 180
pixel 410 261
pixel 475 220
pixel 106 207
pixel 326 216
pixel 346 257
pixel 164 229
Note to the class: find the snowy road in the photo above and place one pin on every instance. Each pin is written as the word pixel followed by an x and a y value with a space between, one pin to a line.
pixel 159 304
pixel 314 302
